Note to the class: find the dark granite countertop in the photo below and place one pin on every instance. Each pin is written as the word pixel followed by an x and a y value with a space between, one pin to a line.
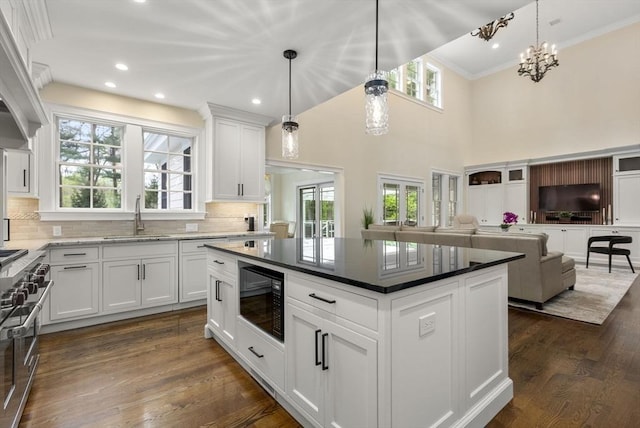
pixel 381 266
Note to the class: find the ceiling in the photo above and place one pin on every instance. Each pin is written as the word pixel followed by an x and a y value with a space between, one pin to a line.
pixel 228 52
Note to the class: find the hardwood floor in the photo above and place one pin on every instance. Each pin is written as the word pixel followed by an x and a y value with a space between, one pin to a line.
pixel 159 371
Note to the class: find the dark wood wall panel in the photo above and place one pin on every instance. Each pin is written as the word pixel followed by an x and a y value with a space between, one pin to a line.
pixel 573 172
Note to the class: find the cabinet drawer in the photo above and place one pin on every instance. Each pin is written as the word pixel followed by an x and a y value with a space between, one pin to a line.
pixel 139 250
pixel 222 263
pixel 197 246
pixel 73 255
pixel 353 307
pixel 267 358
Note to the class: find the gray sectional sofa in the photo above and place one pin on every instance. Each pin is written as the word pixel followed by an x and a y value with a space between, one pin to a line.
pixel 538 277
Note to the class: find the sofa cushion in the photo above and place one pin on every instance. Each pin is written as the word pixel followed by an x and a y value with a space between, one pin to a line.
pixel 568 263
pixel 542 237
pixel 462 230
pixel 404 227
pixel 383 227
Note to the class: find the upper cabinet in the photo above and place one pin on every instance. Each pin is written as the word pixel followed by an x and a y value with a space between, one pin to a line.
pixel 21 111
pixel 237 156
pixel 19 173
pixel 626 182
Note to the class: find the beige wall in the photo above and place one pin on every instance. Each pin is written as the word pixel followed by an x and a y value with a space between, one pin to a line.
pixel 591 101
pixel 420 138
pixel 61 93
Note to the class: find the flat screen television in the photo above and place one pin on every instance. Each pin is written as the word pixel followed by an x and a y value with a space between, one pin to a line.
pixel 570 197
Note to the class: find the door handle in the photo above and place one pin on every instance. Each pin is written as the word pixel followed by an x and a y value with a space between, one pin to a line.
pixel 238 189
pixel 218 298
pixel 324 350
pixel 318 362
pixel 138 272
pixel 144 271
pixel 24 178
pixel 75 267
pixel 242 189
pixel 313 295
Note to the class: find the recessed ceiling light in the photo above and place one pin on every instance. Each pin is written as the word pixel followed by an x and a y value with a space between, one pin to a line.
pixel 256 101
pixel 121 66
pixel 495 46
pixel 159 95
pixel 110 84
pixel 140 1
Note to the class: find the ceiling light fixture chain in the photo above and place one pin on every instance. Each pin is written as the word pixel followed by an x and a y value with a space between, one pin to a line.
pixel 375 89
pixel 539 59
pixel 289 123
pixel 486 32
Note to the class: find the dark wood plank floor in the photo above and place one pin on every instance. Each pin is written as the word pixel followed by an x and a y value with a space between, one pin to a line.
pixel 158 371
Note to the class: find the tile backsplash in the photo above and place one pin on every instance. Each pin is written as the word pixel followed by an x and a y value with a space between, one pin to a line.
pixel 26 224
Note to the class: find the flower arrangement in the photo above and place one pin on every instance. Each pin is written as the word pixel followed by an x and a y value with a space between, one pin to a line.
pixel 508 220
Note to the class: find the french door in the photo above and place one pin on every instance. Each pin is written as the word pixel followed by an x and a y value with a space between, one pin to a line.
pixel 400 201
pixel 316 210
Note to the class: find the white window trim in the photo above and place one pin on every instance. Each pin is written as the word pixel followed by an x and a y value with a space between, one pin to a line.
pixel 386 177
pixel 439 84
pixel 133 183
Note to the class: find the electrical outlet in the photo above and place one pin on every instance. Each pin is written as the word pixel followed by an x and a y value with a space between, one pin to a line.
pixel 57 230
pixel 427 324
pixel 192 227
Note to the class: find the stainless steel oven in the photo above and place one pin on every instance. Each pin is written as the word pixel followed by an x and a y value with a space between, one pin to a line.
pixel 24 291
pixel 262 299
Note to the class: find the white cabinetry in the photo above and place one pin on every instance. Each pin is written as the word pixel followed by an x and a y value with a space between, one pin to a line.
pixel 626 199
pixel 222 296
pixel 331 370
pixel 76 274
pixel 236 164
pixel 485 202
pixel 193 269
pixel 570 240
pixel 19 172
pixel 139 275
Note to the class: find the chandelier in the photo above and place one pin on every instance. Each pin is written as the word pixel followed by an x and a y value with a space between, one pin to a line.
pixel 539 58
pixel 486 32
pixel 289 124
pixel 375 89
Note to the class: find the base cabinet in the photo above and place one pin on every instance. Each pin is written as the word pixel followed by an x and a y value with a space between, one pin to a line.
pixel 331 371
pixel 222 306
pixel 572 241
pixel 76 291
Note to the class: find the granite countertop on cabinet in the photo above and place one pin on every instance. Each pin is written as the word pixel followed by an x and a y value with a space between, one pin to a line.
pixel 380 266
pixel 40 244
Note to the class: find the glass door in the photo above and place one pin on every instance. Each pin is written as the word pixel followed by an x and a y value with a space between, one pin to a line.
pixel 316 210
pixel 400 202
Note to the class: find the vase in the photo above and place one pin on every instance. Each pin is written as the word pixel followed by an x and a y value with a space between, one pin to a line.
pixel 505 227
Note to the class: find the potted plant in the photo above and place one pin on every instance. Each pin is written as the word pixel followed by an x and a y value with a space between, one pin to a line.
pixel 508 220
pixel 565 216
pixel 367 217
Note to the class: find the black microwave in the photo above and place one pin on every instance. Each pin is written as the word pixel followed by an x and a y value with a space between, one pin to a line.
pixel 262 299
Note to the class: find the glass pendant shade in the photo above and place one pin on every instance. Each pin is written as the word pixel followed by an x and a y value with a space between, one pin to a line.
pixel 376 105
pixel 289 137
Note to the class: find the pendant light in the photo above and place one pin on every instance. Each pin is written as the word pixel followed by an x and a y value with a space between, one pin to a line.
pixel 289 124
pixel 375 89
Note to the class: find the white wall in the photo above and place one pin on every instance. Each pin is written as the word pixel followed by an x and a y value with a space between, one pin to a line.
pixel 591 101
pixel 419 139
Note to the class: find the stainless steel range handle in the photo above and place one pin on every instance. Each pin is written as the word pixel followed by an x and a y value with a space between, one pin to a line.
pixel 21 330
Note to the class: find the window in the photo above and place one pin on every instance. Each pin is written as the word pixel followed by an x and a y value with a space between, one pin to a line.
pixel 89 164
pixel 448 186
pixel 395 79
pixel 400 201
pixel 167 172
pixel 433 86
pixel 413 81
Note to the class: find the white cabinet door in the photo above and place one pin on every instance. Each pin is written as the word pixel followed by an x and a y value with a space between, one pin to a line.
pixel 304 363
pixel 121 285
pixel 515 200
pixel 75 293
pixel 485 202
pixel 331 371
pixel 572 241
pixel 351 395
pixel 252 163
pixel 222 307
pixel 159 285
pixel 626 200
pixel 18 172
pixel 193 274
pixel 239 156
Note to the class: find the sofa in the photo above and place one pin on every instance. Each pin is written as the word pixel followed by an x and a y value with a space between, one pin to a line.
pixel 537 278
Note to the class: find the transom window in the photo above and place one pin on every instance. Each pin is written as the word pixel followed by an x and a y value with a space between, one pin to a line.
pixel 418 80
pixel 432 86
pixel 413 81
pixel 89 164
pixel 167 172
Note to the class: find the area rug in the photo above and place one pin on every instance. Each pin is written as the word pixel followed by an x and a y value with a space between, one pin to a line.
pixel 596 294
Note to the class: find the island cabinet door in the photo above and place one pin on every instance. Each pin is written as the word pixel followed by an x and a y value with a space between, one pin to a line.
pixel 305 378
pixel 332 371
pixel 222 307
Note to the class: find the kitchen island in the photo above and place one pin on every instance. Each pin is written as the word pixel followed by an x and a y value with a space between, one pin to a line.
pixel 376 333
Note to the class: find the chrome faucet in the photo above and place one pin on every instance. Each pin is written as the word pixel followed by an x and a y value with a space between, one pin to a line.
pixel 138 225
